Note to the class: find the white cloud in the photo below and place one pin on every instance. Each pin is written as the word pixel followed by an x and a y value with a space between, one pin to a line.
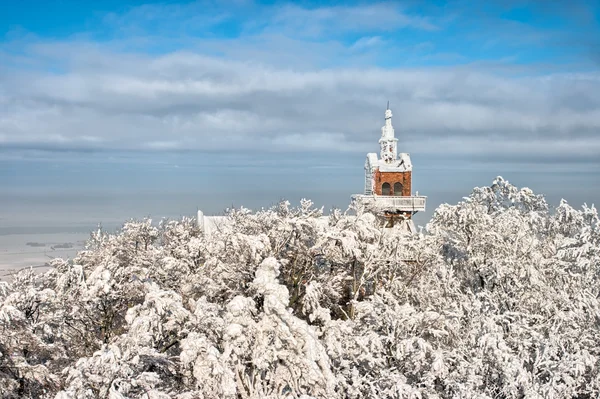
pixel 381 17
pixel 278 88
pixel 188 101
pixel 368 42
pixel 163 145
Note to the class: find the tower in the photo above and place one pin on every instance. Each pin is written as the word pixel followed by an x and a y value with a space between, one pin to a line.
pixel 388 181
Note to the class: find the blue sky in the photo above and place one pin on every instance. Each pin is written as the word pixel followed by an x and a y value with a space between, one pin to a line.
pixel 113 109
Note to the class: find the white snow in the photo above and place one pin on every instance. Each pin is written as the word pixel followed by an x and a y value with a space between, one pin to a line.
pixel 498 298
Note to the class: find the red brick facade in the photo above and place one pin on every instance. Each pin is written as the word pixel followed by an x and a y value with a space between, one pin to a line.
pixel 392 178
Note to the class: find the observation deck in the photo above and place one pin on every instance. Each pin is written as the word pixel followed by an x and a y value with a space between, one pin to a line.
pixel 389 203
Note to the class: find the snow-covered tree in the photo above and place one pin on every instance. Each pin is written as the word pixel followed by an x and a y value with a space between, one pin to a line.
pixel 498 298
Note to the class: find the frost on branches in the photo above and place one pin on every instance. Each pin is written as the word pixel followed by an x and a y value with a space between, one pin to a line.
pixel 498 299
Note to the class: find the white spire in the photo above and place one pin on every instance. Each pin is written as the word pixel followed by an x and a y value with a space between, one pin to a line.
pixel 387 141
pixel 387 131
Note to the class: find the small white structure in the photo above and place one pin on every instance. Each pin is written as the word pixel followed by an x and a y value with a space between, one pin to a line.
pixel 210 224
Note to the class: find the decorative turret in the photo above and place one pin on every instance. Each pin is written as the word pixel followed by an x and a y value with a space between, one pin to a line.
pixel 388 181
pixel 388 142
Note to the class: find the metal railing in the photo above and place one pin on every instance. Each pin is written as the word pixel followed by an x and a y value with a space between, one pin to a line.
pixel 383 202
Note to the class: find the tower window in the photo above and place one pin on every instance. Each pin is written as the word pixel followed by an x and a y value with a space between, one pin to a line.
pixel 398 188
pixel 386 189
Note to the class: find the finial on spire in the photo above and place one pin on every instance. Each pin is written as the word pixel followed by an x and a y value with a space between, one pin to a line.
pixel 388 106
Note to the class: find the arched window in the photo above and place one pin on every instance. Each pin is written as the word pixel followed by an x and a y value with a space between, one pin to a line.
pixel 386 189
pixel 398 188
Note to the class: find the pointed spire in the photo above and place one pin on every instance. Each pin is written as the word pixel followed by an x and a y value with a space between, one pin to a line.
pixel 388 106
pixel 388 115
pixel 387 140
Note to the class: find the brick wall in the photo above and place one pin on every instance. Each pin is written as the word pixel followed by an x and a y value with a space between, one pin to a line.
pixel 405 178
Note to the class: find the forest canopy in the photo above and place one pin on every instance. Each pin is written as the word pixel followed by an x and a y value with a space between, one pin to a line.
pixel 497 298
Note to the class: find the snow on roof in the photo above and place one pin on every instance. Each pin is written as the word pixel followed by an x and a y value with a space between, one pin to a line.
pixel 372 159
pixel 210 224
pixel 402 164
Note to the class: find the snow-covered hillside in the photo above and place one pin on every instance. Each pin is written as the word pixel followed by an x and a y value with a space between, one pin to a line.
pixel 499 299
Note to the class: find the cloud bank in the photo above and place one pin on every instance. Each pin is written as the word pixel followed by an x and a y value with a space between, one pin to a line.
pixel 303 79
